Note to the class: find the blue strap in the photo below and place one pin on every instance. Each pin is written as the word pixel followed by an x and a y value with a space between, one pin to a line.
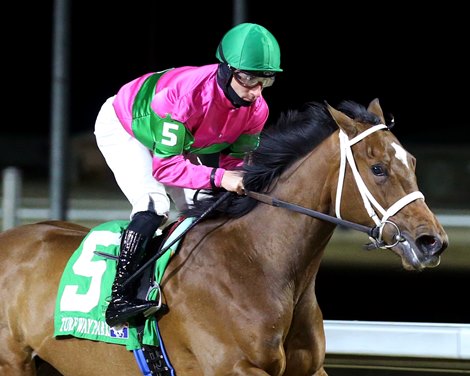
pixel 162 348
pixel 142 361
pixel 140 358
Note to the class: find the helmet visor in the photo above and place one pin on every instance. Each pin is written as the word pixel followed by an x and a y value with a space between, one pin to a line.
pixel 250 80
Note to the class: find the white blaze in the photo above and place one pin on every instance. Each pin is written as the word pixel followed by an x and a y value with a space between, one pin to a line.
pixel 400 154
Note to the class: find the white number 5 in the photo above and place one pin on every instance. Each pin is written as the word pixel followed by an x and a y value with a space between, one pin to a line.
pixel 84 266
pixel 168 137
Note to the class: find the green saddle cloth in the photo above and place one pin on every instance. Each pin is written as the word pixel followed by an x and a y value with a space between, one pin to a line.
pixel 85 288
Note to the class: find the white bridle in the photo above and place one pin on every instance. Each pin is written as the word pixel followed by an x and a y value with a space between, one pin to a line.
pixel 369 201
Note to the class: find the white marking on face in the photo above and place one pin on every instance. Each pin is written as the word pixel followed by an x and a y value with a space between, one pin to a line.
pixel 400 154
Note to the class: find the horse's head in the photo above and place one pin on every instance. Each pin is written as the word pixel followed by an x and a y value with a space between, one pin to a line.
pixel 385 192
pixel 376 184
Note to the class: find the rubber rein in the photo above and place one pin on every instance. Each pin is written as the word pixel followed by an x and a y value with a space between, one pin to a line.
pixel 375 233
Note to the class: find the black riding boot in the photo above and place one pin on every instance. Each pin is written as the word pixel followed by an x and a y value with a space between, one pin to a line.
pixel 124 304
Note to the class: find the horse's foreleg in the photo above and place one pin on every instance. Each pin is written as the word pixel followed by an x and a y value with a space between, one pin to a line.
pixel 15 358
pixel 305 344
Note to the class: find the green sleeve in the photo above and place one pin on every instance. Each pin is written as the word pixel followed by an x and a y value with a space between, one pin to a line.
pixel 164 136
pixel 244 144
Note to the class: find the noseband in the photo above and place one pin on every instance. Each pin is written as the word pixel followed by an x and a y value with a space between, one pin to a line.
pixel 375 233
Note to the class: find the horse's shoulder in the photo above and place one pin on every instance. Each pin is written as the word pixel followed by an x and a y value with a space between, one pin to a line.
pixel 205 228
pixel 193 239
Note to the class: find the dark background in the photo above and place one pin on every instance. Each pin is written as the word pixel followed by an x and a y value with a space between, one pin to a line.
pixel 414 60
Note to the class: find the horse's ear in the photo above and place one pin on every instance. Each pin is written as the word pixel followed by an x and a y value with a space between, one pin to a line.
pixel 344 122
pixel 374 107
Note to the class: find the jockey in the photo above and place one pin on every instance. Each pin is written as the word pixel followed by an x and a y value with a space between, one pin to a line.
pixel 152 131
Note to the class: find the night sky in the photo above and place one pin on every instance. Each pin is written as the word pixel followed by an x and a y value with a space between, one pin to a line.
pixel 414 60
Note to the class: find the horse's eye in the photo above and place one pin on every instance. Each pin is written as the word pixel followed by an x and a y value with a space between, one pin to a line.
pixel 378 170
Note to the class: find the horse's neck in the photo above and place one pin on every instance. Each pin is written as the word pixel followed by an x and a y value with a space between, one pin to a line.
pixel 300 239
pixel 311 182
pixel 286 247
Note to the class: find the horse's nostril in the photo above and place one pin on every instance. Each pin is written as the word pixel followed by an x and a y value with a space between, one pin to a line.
pixel 430 245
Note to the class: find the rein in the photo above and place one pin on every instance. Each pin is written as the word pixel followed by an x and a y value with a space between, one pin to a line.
pixel 266 199
pixel 375 233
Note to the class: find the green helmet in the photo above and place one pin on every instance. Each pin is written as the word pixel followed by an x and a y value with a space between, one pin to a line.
pixel 250 47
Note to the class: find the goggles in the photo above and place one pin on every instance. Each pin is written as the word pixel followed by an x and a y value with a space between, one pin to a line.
pixel 249 80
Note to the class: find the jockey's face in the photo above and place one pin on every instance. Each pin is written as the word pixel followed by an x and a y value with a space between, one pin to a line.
pixel 249 86
pixel 249 94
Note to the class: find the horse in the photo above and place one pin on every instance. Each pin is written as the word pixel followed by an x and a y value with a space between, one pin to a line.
pixel 240 291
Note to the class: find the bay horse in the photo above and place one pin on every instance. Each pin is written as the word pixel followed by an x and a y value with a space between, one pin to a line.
pixel 241 288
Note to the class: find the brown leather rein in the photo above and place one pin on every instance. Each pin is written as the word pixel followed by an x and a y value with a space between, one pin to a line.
pixel 372 232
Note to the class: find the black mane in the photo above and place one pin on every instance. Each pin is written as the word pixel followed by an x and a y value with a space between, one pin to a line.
pixel 295 133
pixel 291 137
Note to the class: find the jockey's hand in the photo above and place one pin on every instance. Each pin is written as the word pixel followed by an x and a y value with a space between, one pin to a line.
pixel 232 181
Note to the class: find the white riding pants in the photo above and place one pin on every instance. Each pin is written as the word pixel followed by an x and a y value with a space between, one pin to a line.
pixel 131 164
